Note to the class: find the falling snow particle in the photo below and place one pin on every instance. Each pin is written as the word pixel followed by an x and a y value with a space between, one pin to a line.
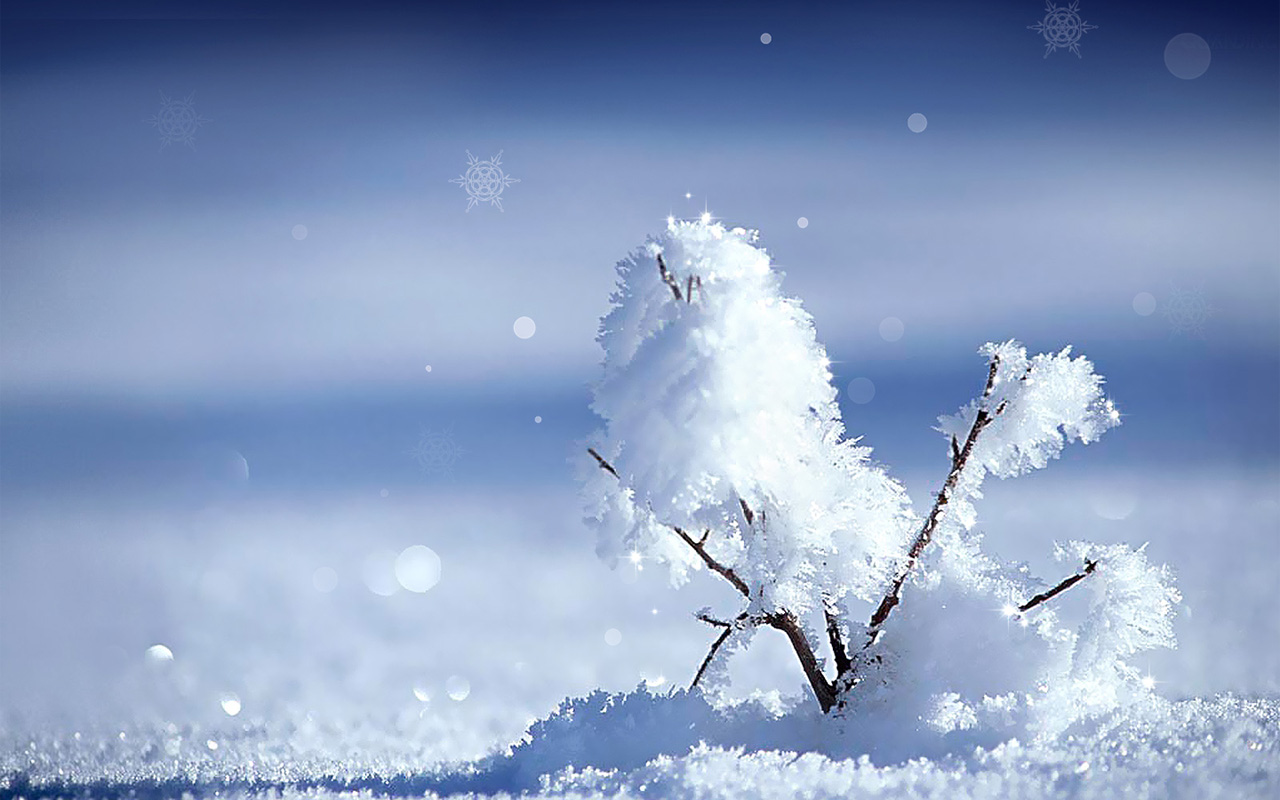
pixel 891 329
pixel 613 637
pixel 159 654
pixel 765 38
pixel 803 222
pixel 861 390
pixel 428 368
pixel 524 327
pixel 1187 56
pixel 538 420
pixel 324 579
pixel 211 744
pixel 1144 304
pixel 917 122
pixel 421 693
pixel 418 568
pixel 458 688
pixel 230 703
pixel 299 232
pixel 1062 27
pixel 1187 311
pixel 484 181
pixel 177 121
pixel 383 493
pixel 436 451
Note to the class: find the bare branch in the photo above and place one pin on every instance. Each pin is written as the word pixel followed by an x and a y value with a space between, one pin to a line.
pixel 604 465
pixel 955 450
pixel 837 640
pixel 667 277
pixel 698 545
pixel 782 620
pixel 959 459
pixel 1067 583
pixel 715 566
pixel 706 662
pixel 822 688
pixel 688 290
pixel 710 620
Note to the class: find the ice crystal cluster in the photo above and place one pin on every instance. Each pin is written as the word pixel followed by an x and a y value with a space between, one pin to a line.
pixel 723 447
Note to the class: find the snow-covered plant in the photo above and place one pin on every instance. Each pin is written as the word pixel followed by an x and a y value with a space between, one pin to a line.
pixel 723 448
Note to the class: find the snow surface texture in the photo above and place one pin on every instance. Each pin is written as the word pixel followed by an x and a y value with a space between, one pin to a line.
pixel 327 680
pixel 678 746
pixel 721 420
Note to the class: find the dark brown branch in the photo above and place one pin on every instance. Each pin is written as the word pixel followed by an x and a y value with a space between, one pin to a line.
pixel 688 290
pixel 715 566
pixel 706 662
pixel 781 620
pixel 837 640
pixel 604 465
pixel 667 277
pixel 959 459
pixel 955 450
pixel 822 688
pixel 1067 583
pixel 698 545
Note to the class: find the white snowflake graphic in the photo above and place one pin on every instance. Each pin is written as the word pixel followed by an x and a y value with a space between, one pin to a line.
pixel 177 121
pixel 1187 311
pixel 436 451
pixel 484 181
pixel 1062 27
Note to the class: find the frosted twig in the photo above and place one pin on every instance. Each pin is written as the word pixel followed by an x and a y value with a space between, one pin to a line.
pixel 1067 583
pixel 604 465
pixel 698 545
pixel 837 640
pixel 715 566
pixel 711 654
pixel 958 460
pixel 667 278
pixel 823 690
pixel 782 620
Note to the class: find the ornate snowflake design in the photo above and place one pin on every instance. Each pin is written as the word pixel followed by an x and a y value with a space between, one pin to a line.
pixel 1187 311
pixel 177 121
pixel 1062 27
pixel 436 451
pixel 484 181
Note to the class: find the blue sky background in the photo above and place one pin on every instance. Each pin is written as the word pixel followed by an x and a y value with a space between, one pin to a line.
pixel 162 330
pixel 155 304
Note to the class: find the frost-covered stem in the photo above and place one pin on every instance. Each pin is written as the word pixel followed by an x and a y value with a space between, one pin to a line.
pixel 706 662
pixel 715 566
pixel 667 277
pixel 837 640
pixel 823 690
pixel 720 640
pixel 604 465
pixel 782 620
pixel 959 457
pixel 1067 583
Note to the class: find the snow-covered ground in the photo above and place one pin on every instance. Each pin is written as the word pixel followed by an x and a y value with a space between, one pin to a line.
pixel 290 673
